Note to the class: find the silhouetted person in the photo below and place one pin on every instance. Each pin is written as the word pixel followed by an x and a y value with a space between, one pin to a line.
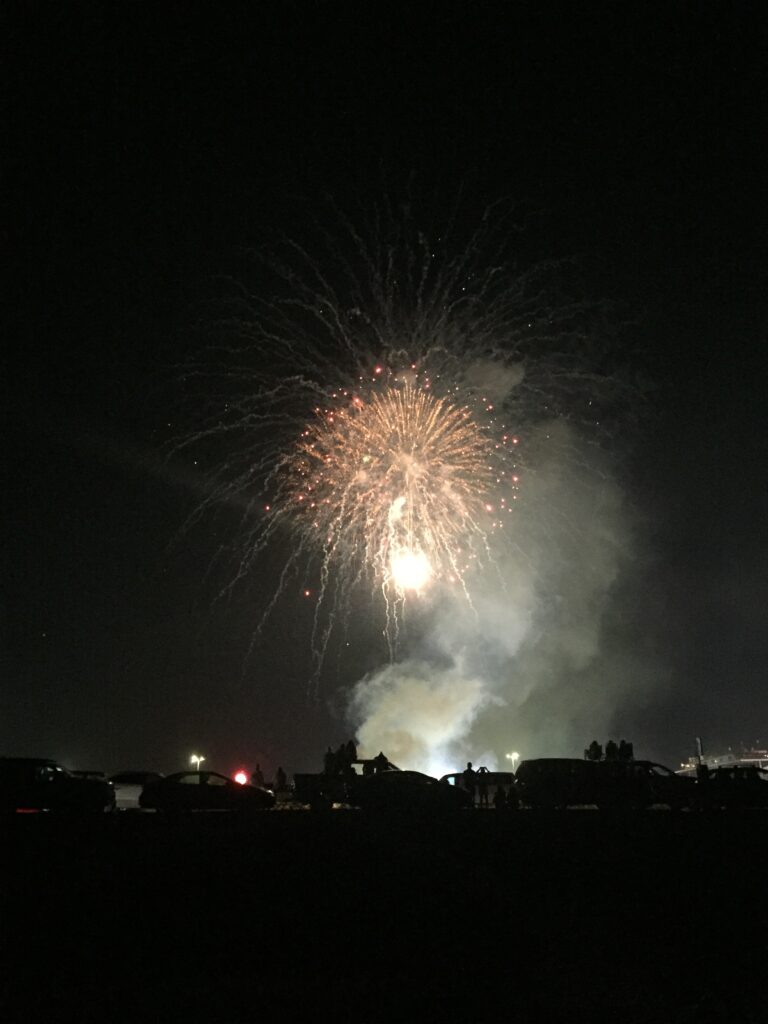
pixel 594 751
pixel 341 759
pixel 500 799
pixel 351 751
pixel 482 786
pixel 611 751
pixel 626 751
pixel 369 768
pixel 329 762
pixel 280 779
pixel 469 780
pixel 257 777
pixel 513 804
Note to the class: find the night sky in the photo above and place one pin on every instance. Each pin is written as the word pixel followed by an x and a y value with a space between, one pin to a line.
pixel 148 148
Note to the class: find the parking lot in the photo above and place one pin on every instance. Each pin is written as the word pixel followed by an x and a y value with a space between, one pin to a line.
pixel 131 918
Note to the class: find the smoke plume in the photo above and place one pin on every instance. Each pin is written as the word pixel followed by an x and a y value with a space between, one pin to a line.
pixel 532 665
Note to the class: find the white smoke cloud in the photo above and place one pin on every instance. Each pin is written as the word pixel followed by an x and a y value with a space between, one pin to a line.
pixel 417 716
pixel 529 666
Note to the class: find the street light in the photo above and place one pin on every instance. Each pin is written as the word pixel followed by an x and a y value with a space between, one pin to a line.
pixel 514 757
pixel 196 760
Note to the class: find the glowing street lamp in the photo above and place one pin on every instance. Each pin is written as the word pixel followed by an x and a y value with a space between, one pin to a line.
pixel 514 757
pixel 196 760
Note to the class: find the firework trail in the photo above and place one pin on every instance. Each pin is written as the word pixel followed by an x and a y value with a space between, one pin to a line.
pixel 375 408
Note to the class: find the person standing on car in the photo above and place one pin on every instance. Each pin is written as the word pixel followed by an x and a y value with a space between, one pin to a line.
pixel 482 786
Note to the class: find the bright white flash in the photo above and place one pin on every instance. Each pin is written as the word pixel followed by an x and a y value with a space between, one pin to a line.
pixel 411 570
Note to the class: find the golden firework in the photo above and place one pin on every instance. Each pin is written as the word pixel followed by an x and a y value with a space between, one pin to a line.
pixel 398 480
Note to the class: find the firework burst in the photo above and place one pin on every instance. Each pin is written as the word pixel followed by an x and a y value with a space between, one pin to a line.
pixel 375 411
pixel 396 480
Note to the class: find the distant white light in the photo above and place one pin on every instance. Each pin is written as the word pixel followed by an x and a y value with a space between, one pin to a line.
pixel 196 760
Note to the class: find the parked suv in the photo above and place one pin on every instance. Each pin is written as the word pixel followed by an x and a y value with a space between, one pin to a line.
pixel 610 785
pixel 40 784
pixel 550 782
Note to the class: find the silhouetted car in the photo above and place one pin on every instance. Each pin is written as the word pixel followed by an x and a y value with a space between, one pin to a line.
pixel 203 791
pixel 557 782
pixel 609 785
pixel 735 787
pixel 128 787
pixel 653 783
pixel 29 784
pixel 408 791
pixel 321 791
pixel 635 785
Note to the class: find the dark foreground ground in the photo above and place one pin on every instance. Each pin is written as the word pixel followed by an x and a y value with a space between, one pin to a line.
pixel 571 917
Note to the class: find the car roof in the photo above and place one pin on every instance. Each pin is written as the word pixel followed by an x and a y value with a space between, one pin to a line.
pixel 403 776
